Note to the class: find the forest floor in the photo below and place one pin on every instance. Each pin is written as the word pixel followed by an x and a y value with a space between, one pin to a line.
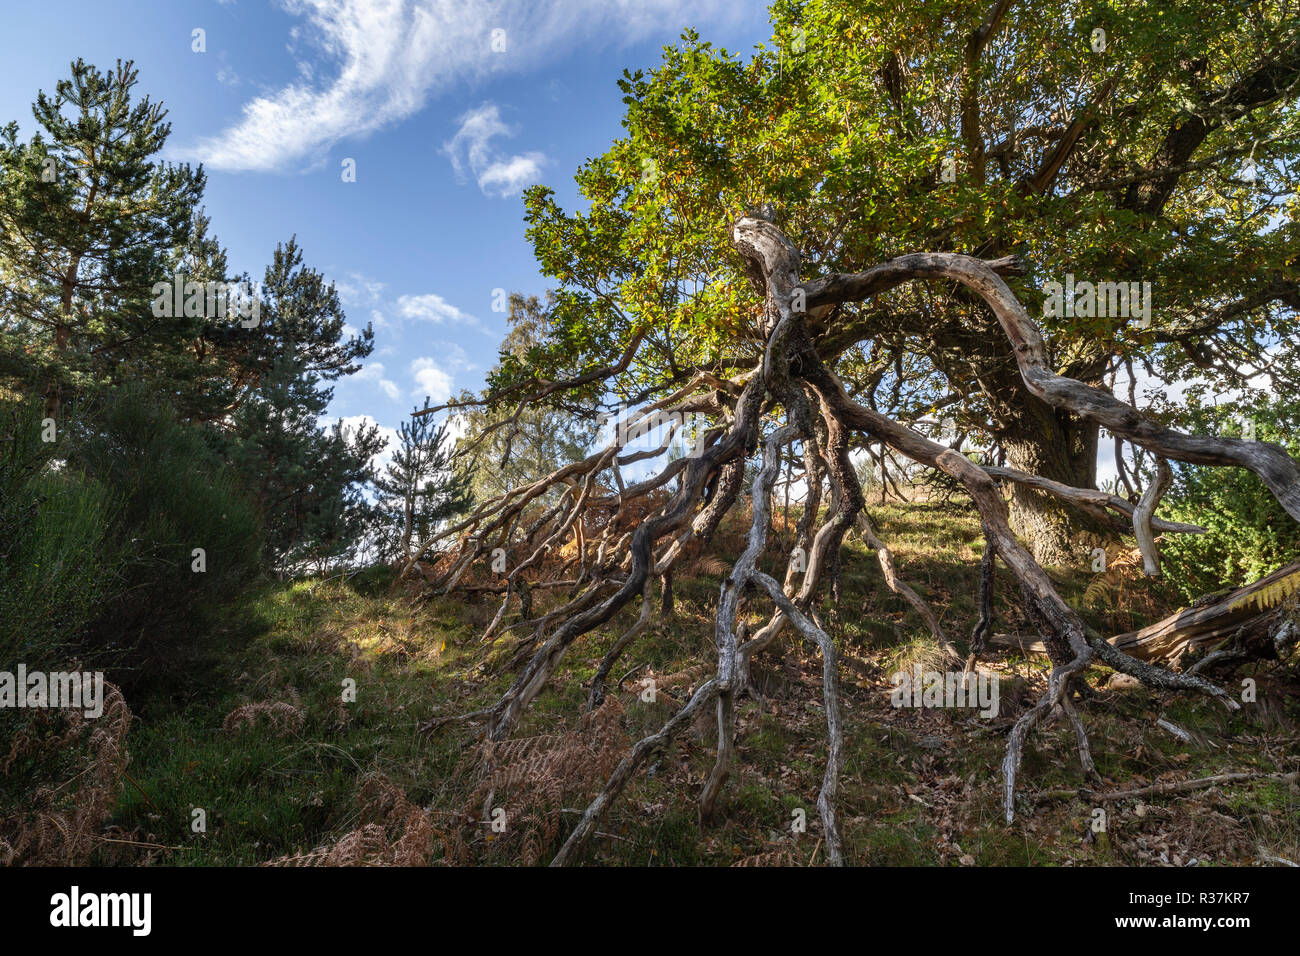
pixel 256 734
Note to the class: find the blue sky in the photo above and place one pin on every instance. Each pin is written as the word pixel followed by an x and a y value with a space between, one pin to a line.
pixel 445 119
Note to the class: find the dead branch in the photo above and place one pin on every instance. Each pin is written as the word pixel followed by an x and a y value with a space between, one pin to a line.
pixel 794 379
pixel 1156 789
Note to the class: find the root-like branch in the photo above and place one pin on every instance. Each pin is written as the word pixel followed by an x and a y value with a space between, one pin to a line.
pixel 901 587
pixel 645 529
pixel 628 766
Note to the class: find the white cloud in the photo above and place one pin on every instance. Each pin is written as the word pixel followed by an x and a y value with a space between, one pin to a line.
pixel 433 308
pixel 375 62
pixel 508 178
pixel 472 147
pixel 374 372
pixel 430 380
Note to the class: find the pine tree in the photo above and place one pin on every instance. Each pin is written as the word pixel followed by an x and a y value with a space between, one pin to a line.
pixel 421 488
pixel 89 219
pixel 307 481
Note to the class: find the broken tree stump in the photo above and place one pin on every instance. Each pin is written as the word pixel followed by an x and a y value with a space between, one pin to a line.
pixel 1252 610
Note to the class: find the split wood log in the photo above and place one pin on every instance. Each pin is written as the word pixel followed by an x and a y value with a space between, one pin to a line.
pixel 1251 609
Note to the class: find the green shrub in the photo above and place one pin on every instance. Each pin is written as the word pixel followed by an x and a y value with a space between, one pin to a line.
pixel 55 560
pixel 175 495
pixel 1248 534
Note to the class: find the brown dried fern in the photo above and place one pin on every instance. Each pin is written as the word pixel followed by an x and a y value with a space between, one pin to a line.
pixel 284 718
pixel 397 833
pixel 708 565
pixel 531 778
pixel 63 820
pixel 782 856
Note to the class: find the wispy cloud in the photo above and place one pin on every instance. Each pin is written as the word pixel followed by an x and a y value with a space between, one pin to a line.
pixel 497 174
pixel 358 289
pixel 378 61
pixel 226 74
pixel 454 357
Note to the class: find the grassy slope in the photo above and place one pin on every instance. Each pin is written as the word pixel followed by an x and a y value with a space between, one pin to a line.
pixel 920 787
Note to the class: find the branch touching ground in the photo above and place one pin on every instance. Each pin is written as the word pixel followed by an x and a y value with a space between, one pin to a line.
pixel 627 767
pixel 1145 512
pixel 1156 789
pixel 901 587
pixel 826 800
pixel 623 537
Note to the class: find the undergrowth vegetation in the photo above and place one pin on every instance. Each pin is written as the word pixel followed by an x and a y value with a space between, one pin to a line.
pixel 284 771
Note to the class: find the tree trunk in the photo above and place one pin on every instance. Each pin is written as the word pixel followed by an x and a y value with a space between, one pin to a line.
pixel 1064 448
